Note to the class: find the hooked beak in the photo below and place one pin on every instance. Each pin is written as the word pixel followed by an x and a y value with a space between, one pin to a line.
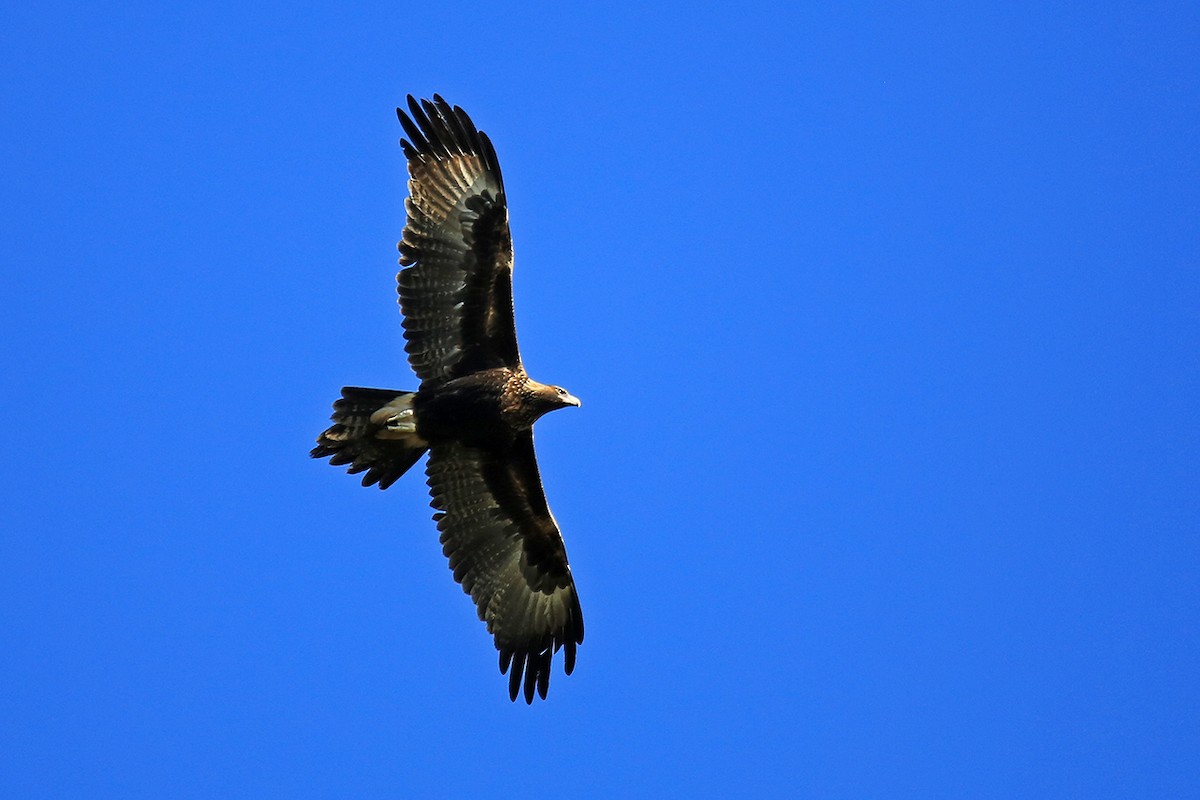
pixel 572 400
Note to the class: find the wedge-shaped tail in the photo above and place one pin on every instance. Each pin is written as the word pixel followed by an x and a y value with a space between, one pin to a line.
pixel 374 431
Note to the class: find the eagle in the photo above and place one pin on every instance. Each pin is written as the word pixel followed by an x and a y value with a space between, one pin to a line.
pixel 475 406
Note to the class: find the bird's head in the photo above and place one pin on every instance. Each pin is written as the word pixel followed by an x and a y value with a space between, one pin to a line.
pixel 562 398
pixel 549 398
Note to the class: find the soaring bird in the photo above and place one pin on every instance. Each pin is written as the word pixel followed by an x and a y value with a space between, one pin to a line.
pixel 475 406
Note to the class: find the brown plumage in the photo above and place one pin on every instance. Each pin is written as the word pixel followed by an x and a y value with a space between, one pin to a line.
pixel 475 408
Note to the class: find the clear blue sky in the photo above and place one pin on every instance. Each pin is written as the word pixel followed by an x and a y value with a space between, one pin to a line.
pixel 886 322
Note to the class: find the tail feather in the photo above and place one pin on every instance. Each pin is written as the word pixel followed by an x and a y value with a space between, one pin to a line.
pixel 375 432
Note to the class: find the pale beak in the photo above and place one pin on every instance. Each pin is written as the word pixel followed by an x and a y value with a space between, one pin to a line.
pixel 571 400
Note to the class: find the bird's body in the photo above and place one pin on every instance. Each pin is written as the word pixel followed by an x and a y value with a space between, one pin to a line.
pixel 484 409
pixel 475 408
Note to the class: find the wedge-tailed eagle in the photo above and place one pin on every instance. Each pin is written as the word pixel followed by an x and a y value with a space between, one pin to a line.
pixel 475 407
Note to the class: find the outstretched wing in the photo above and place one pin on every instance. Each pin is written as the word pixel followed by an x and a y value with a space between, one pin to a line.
pixel 456 285
pixel 506 551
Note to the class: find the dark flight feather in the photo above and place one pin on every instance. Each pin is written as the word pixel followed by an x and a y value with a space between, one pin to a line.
pixel 456 285
pixel 505 548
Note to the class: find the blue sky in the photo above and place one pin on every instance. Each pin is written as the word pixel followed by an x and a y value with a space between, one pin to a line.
pixel 885 324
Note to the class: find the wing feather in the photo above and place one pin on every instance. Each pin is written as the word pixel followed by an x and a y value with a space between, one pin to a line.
pixel 506 550
pixel 456 283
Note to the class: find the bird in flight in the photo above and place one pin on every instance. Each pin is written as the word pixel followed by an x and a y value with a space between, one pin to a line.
pixel 475 406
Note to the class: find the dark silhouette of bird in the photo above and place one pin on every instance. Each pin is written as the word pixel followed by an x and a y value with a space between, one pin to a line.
pixel 475 406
